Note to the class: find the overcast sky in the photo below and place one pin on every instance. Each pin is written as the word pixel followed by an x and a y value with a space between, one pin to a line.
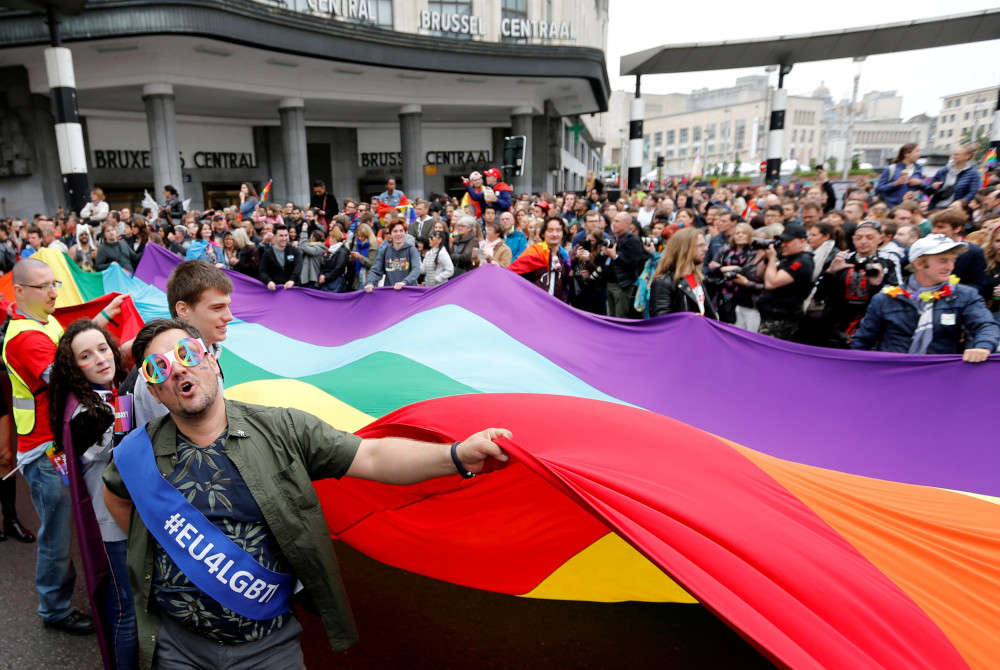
pixel 921 77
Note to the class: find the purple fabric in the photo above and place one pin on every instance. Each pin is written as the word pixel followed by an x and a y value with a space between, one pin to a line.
pixel 914 419
pixel 93 555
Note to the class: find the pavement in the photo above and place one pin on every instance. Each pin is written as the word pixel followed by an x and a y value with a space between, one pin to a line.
pixel 25 644
pixel 413 622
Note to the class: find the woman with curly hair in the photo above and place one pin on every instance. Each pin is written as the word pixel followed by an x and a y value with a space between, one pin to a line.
pixel 88 419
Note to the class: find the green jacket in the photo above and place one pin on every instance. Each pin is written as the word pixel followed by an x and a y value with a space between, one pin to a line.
pixel 279 452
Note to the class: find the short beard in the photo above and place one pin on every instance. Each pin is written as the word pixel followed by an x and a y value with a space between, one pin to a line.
pixel 209 400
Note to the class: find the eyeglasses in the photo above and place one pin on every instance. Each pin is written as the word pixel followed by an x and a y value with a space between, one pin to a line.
pixel 45 287
pixel 187 352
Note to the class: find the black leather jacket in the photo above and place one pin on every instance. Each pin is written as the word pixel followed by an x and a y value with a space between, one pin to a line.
pixel 667 296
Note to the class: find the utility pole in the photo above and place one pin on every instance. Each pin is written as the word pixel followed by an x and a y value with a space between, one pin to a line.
pixel 849 144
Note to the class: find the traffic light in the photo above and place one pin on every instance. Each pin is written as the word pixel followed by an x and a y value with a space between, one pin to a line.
pixel 513 155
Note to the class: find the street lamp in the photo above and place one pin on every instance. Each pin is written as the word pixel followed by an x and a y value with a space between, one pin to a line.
pixel 849 144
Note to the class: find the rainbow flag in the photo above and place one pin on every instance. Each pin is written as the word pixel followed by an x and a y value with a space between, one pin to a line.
pixel 989 160
pixel 266 192
pixel 829 530
pixel 409 214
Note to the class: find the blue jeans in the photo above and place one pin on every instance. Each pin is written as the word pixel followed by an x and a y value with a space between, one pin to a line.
pixel 120 610
pixel 55 576
pixel 334 286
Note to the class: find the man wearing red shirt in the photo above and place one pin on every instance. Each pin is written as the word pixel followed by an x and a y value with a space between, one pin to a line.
pixel 29 351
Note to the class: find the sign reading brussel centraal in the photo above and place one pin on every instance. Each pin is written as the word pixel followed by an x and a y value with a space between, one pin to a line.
pixel 442 21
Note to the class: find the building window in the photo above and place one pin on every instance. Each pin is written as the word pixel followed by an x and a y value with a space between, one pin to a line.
pixel 460 7
pixel 658 138
pixel 684 136
pixel 670 137
pixel 696 134
pixel 515 10
pixel 741 133
pixel 383 13
pixel 966 118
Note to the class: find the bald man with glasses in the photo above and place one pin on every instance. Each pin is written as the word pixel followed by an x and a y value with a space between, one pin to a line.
pixel 29 350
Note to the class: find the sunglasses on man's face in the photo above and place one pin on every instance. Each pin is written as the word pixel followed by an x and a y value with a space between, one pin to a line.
pixel 187 353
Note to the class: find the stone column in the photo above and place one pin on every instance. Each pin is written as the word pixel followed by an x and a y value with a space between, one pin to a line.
pixel 520 122
pixel 293 150
pixel 411 144
pixel 164 156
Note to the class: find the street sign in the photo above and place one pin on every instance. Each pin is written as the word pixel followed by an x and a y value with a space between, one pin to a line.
pixel 763 166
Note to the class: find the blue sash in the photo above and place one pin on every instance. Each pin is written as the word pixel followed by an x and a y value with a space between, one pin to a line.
pixel 206 556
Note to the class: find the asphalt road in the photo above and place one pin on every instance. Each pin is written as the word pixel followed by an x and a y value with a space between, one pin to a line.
pixel 409 621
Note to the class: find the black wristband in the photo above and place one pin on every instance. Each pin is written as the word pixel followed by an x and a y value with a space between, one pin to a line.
pixel 458 464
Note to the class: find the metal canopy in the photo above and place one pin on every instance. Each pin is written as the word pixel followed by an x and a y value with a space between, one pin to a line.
pixel 869 41
pixel 64 7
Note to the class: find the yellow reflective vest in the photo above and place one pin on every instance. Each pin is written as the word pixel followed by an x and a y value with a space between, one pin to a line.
pixel 24 399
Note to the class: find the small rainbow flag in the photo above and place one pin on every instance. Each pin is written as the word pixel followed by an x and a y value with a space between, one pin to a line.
pixel 266 192
pixel 989 160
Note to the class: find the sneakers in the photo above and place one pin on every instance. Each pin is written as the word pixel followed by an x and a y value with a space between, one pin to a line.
pixel 75 624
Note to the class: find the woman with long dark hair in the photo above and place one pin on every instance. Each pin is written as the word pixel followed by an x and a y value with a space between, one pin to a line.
pixel 248 199
pixel 437 264
pixel 903 176
pixel 138 237
pixel 88 419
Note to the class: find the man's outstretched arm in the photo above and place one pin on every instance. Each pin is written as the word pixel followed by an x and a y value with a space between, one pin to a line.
pixel 394 460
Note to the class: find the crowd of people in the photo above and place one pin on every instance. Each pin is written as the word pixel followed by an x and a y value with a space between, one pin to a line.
pixel 783 261
pixel 910 264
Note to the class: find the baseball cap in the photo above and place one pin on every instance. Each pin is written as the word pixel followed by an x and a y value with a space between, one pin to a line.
pixel 869 224
pixel 793 231
pixel 492 172
pixel 475 175
pixel 544 204
pixel 935 244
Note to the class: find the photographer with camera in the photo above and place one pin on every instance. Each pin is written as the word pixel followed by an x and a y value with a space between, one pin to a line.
pixel 626 258
pixel 787 282
pixel 726 276
pixel 850 282
pixel 589 285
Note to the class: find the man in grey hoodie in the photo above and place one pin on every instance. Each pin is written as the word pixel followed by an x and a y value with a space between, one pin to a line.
pixel 397 260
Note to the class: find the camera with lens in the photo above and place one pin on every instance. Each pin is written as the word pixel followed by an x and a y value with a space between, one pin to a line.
pixel 871 267
pixel 757 243
pixel 729 276
pixel 655 240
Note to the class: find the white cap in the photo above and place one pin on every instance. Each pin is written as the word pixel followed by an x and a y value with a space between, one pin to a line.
pixel 935 244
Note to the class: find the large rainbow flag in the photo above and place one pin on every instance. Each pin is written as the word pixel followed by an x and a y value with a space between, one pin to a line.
pixel 836 508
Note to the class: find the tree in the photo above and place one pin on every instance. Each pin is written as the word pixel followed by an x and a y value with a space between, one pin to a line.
pixel 831 164
pixel 856 162
pixel 982 143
